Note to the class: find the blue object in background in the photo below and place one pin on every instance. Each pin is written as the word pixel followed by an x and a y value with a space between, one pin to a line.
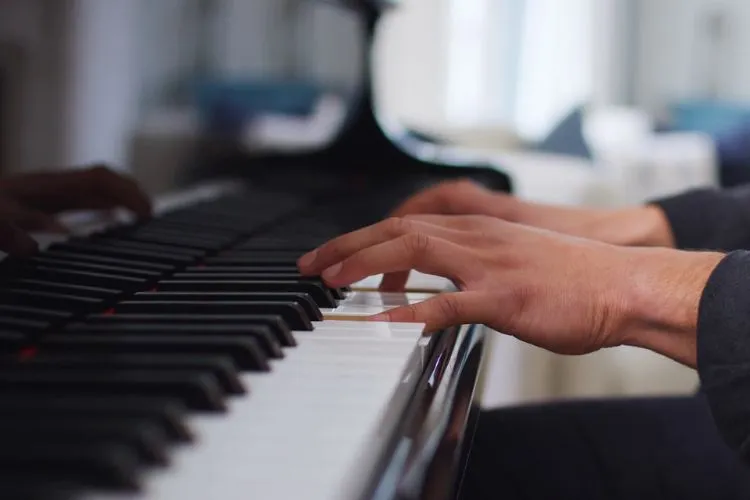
pixel 713 117
pixel 729 126
pixel 226 106
pixel 566 138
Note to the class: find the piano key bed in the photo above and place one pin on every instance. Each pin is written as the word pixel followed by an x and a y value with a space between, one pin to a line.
pixel 185 358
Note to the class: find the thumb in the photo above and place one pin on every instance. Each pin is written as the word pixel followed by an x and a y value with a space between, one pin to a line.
pixel 443 311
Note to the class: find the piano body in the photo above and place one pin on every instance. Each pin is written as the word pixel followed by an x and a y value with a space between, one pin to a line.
pixel 185 358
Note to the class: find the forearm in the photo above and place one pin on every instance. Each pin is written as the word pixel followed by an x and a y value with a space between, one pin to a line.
pixel 695 308
pixel 663 294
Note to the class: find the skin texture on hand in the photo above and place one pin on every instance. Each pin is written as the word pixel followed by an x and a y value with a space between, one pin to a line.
pixel 566 294
pixel 636 226
pixel 30 202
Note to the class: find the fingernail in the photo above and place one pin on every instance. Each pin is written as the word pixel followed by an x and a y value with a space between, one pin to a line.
pixel 307 259
pixel 332 271
pixel 384 316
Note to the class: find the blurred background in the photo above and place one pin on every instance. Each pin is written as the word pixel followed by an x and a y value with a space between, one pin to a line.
pixel 582 102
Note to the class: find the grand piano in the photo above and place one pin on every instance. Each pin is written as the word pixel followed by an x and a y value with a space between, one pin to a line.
pixel 184 357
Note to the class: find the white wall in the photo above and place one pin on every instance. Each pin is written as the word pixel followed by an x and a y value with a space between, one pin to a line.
pixel 101 103
pixel 411 67
pixel 672 57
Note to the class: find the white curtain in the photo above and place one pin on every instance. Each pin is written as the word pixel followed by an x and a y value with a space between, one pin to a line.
pixel 519 63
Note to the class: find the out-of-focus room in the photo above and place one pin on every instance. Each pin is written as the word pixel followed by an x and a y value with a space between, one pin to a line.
pixel 582 102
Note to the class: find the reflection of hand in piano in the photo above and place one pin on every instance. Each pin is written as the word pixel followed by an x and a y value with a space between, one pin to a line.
pixel 30 202
pixel 565 294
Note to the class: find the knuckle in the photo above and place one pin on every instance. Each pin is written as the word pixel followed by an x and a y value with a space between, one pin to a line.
pixel 410 314
pixel 464 185
pixel 398 226
pixel 418 244
pixel 450 308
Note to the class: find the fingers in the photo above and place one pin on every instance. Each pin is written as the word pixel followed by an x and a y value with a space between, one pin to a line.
pixel 414 251
pixel 93 188
pixel 15 241
pixel 443 311
pixel 346 245
pixel 394 282
pixel 455 197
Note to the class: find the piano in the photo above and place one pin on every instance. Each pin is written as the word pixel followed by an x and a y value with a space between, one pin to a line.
pixel 184 357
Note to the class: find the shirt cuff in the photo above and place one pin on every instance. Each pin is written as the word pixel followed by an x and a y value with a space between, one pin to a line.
pixel 723 349
pixel 693 217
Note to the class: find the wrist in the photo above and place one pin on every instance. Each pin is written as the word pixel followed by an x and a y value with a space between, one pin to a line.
pixel 664 289
pixel 647 226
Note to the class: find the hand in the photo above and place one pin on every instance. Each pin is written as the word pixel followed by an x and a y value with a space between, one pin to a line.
pixel 565 294
pixel 635 226
pixel 30 202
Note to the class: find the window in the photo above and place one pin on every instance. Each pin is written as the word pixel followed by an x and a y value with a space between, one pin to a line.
pixel 519 63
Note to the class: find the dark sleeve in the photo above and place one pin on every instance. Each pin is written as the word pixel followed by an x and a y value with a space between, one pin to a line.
pixel 723 346
pixel 710 219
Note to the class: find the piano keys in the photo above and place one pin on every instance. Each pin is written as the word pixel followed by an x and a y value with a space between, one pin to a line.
pixel 259 373
pixel 184 357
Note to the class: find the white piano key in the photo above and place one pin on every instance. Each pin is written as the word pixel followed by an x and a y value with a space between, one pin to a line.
pixel 303 426
pixel 417 282
pixel 362 304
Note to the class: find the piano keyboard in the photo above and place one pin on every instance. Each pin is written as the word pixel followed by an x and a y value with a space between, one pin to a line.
pixel 185 357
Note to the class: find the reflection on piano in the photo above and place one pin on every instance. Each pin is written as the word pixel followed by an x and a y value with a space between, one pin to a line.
pixel 185 358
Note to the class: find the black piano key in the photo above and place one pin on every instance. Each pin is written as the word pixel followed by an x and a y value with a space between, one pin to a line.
pixel 262 334
pixel 184 229
pixel 106 466
pixel 106 294
pixel 197 391
pixel 11 342
pixel 250 269
pixel 23 324
pixel 169 415
pixel 197 224
pixel 179 239
pixel 252 260
pixel 35 487
pixel 256 275
pixel 219 366
pixel 102 280
pixel 96 268
pixel 244 352
pixel 140 435
pixel 109 260
pixel 283 244
pixel 293 314
pixel 148 247
pixel 281 256
pixel 302 299
pixel 38 313
pixel 317 292
pixel 62 301
pixel 124 253
pixel 275 323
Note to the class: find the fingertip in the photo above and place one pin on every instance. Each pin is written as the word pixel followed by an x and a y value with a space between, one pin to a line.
pixel 384 316
pixel 305 263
